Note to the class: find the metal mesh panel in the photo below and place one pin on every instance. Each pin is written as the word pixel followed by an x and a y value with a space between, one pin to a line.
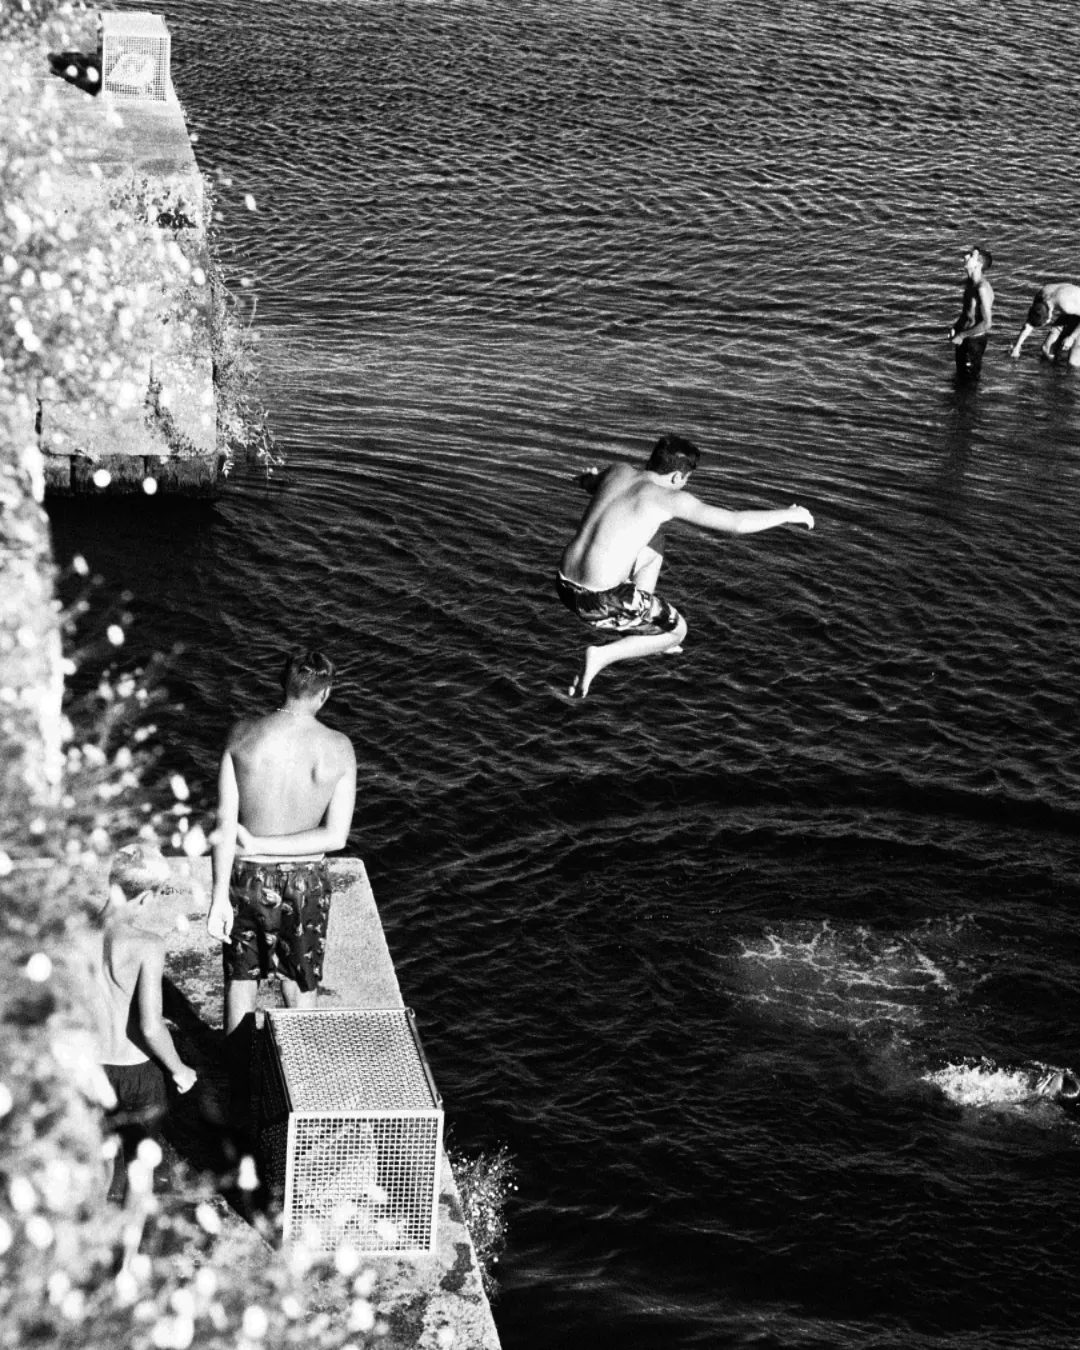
pixel 135 55
pixel 367 1180
pixel 273 1098
pixel 364 1127
pixel 352 1060
pixel 274 1143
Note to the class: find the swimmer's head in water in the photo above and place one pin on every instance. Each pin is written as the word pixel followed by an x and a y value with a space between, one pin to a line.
pixel 307 674
pixel 673 454
pixel 1060 1086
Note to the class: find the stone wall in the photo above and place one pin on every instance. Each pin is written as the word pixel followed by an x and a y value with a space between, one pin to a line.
pixel 31 678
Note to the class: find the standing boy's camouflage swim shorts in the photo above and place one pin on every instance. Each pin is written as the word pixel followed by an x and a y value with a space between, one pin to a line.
pixel 280 912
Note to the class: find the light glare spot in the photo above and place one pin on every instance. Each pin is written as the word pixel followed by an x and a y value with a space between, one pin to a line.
pixel 22 1195
pixel 256 1323
pixel 195 843
pixel 149 1153
pixel 208 1219
pixel 361 1315
pixel 39 1232
pixel 38 968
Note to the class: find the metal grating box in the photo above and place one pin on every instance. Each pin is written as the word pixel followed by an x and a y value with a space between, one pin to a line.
pixel 135 55
pixel 351 1128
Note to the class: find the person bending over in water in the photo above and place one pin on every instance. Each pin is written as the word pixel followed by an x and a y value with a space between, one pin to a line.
pixel 609 570
pixel 1056 304
pixel 969 333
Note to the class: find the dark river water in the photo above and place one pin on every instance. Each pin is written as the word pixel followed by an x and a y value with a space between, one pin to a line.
pixel 694 948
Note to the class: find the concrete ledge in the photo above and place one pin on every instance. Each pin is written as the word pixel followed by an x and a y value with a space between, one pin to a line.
pixel 359 972
pixel 190 476
pixel 419 1297
pixel 134 162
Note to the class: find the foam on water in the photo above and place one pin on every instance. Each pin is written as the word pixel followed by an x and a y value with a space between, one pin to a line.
pixel 827 976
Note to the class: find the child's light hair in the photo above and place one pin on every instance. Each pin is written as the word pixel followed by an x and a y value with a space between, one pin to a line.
pixel 137 868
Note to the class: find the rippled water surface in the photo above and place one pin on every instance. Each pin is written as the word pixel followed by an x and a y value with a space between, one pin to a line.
pixel 697 948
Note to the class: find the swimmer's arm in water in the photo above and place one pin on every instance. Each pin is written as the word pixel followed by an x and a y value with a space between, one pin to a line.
pixel 716 518
pixel 331 835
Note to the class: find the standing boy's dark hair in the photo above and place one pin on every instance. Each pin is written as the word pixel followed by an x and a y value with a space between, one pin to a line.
pixel 986 256
pixel 673 454
pixel 307 673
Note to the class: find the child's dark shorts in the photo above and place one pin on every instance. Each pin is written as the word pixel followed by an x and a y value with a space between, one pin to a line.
pixel 142 1103
pixel 141 1098
pixel 280 912
pixel 623 609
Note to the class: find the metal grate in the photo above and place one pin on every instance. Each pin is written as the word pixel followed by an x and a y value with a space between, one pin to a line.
pixel 362 1124
pixel 353 1060
pixel 135 55
pixel 365 1180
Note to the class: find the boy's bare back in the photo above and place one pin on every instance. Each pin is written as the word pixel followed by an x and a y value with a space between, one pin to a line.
pixel 628 507
pixel 286 771
pixel 129 955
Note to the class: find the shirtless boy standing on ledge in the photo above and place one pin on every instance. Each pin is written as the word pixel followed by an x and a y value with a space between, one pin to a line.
pixel 286 791
pixel 609 570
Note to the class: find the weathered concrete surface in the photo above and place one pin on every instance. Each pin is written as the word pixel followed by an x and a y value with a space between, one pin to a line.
pixel 137 156
pixel 417 1298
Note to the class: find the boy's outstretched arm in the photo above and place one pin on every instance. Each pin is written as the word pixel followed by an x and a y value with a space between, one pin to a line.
pixel 1025 333
pixel 152 1025
pixel 696 512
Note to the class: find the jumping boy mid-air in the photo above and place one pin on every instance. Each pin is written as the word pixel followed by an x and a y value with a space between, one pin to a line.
pixel 609 570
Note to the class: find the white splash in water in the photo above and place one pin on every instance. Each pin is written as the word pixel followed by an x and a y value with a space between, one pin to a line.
pixel 984 1083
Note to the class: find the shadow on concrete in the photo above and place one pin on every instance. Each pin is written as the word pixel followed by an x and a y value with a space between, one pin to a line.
pixel 205 1147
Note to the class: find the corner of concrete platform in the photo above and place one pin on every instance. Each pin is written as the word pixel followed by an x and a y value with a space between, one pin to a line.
pixel 418 1300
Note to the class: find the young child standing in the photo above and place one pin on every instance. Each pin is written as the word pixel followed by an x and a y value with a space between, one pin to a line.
pixel 137 1042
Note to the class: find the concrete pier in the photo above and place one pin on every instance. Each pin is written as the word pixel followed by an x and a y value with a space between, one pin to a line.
pixel 419 1299
pixel 156 417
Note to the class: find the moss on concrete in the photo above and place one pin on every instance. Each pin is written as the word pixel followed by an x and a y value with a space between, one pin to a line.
pixel 455 1279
